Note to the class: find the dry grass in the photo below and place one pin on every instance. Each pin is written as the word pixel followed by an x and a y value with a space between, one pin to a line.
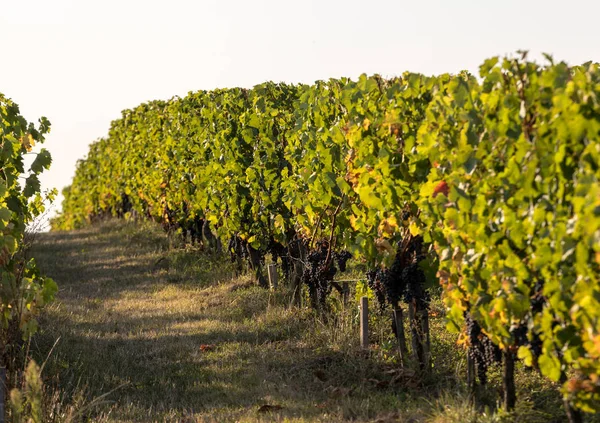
pixel 179 339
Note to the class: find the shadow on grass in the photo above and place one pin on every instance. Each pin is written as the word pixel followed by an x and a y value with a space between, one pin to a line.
pixel 191 347
pixel 204 348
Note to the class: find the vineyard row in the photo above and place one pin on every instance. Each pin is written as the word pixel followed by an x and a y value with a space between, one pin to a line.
pixel 488 186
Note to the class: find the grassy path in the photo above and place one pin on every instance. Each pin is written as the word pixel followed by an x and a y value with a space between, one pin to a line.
pixel 153 323
pixel 175 338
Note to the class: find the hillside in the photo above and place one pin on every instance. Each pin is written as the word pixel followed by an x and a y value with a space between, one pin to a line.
pixel 169 334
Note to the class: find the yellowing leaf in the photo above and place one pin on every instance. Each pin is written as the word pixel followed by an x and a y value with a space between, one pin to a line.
pixel 525 354
pixel 414 229
pixel 27 141
pixel 597 345
pixel 388 226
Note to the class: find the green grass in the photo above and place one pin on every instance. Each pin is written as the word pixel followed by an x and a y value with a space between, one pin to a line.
pixel 172 336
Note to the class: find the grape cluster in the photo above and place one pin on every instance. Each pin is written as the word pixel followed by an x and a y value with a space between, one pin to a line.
pixel 374 279
pixel 535 346
pixel 169 220
pixel 404 279
pixel 193 226
pixel 482 350
pixel 537 298
pixel 318 275
pixel 179 218
pixel 278 251
pixel 413 280
pixel 530 338
pixel 414 250
pixel 519 334
pixel 196 226
pixel 393 283
pixel 237 249
pixel 125 206
pixel 341 259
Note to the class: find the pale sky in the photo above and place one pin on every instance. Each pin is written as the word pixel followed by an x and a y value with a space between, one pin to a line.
pixel 80 63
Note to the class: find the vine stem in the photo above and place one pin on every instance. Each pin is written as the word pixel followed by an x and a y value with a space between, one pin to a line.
pixel 312 238
pixel 329 247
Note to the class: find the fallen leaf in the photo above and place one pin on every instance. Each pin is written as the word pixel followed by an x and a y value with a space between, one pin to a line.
pixel 207 347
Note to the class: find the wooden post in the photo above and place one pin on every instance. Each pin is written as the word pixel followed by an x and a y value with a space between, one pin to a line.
pixel 364 322
pixel 2 394
pixel 272 270
pixel 416 335
pixel 413 338
pixel 508 381
pixel 399 323
pixel 296 281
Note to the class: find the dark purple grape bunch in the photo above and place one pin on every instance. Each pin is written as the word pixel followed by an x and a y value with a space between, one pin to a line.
pixel 482 350
pixel 341 258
